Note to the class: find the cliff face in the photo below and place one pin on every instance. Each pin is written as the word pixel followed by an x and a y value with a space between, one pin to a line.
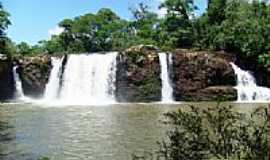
pixel 34 74
pixel 138 75
pixel 6 78
pixel 195 76
pixel 201 76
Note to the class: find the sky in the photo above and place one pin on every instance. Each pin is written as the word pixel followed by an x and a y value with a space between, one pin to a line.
pixel 35 20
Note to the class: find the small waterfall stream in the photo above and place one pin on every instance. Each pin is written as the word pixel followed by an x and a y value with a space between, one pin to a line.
pixel 89 79
pixel 53 86
pixel 247 89
pixel 167 91
pixel 18 84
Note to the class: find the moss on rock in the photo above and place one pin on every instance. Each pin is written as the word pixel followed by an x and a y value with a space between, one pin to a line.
pixel 138 75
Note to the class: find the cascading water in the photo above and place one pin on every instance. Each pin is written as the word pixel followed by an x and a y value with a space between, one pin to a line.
pixel 89 79
pixel 18 84
pixel 247 89
pixel 167 91
pixel 53 86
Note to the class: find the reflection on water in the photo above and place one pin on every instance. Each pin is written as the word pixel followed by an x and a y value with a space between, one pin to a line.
pixel 7 136
pixel 87 132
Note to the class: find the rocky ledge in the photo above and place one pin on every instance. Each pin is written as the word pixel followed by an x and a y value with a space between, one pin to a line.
pixel 202 76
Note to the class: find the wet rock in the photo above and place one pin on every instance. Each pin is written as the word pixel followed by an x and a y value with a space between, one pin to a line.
pixel 138 75
pixel 6 78
pixel 34 73
pixel 194 72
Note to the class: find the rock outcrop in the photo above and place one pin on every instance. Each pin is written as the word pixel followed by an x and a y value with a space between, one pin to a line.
pixel 202 76
pixel 34 74
pixel 6 78
pixel 195 76
pixel 138 75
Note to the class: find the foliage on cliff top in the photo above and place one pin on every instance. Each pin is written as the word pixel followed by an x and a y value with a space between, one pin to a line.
pixel 238 26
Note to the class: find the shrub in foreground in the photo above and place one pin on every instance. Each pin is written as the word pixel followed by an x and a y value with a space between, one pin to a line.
pixel 215 133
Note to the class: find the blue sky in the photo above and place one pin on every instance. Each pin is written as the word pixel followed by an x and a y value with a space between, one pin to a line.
pixel 33 19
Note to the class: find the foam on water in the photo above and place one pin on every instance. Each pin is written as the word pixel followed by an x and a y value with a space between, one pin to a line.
pixel 247 89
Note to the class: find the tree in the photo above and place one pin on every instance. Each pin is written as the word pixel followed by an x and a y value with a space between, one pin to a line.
pixel 146 25
pixel 24 48
pixel 5 43
pixel 52 46
pixel 178 23
pixel 216 11
pixel 4 21
pixel 66 38
pixel 93 32
pixel 179 8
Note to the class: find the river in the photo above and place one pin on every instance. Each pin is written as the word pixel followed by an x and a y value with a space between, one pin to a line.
pixel 113 132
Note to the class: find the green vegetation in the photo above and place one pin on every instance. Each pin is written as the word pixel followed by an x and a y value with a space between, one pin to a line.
pixel 239 26
pixel 6 46
pixel 215 133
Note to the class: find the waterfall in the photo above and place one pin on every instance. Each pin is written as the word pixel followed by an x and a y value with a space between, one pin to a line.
pixel 167 91
pixel 247 89
pixel 18 84
pixel 89 79
pixel 53 86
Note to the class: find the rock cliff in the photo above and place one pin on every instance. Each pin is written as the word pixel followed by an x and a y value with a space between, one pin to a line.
pixel 202 76
pixel 138 75
pixel 34 73
pixel 6 78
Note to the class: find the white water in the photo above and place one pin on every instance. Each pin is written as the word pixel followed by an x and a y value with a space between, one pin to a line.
pixel 18 84
pixel 247 89
pixel 89 79
pixel 167 91
pixel 53 86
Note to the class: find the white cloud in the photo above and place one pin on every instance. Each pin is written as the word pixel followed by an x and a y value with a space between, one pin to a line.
pixel 56 31
pixel 161 12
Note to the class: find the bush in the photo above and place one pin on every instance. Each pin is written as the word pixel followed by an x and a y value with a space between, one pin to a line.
pixel 216 133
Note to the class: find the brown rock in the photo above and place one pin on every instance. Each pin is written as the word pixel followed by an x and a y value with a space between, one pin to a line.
pixel 34 73
pixel 138 75
pixel 193 72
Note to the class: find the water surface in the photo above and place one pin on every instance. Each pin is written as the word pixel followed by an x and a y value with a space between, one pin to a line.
pixel 112 132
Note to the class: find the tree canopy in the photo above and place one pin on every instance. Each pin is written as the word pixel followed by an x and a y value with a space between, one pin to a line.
pixel 6 45
pixel 238 26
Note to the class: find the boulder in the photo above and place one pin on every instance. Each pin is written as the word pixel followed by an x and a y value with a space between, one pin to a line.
pixel 194 72
pixel 34 73
pixel 6 78
pixel 138 75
